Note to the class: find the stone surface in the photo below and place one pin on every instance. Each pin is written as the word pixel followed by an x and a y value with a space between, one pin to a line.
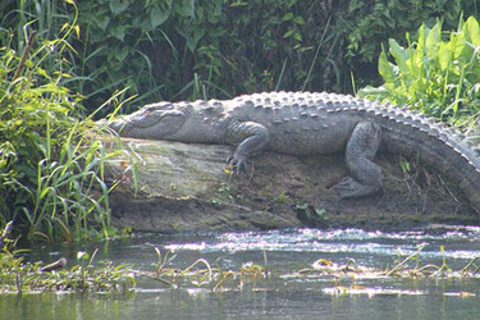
pixel 188 187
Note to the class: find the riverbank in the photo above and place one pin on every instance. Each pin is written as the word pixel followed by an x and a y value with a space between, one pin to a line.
pixel 187 187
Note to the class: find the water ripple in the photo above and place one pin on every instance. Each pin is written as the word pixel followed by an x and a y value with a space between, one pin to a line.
pixel 458 241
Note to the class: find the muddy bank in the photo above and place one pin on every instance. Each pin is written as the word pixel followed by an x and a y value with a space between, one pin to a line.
pixel 187 187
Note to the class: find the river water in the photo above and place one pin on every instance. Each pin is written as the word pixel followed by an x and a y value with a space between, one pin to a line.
pixel 287 294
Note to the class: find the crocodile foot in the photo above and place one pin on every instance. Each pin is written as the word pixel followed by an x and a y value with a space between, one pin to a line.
pixel 240 162
pixel 348 187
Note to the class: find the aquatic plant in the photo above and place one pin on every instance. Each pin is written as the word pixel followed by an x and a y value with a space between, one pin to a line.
pixel 210 277
pixel 346 277
pixel 437 74
pixel 19 276
pixel 257 276
pixel 88 276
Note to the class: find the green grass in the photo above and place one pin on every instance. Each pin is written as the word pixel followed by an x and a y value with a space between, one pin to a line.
pixel 52 164
pixel 18 276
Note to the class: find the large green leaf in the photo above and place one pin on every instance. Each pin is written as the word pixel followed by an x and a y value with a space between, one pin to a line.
pixel 457 44
pixel 186 8
pixel 444 56
pixel 385 68
pixel 417 54
pixel 158 16
pixel 194 37
pixel 400 54
pixel 432 43
pixel 118 32
pixel 102 21
pixel 118 6
pixel 472 29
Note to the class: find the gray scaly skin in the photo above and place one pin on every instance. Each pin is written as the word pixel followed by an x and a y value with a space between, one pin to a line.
pixel 305 124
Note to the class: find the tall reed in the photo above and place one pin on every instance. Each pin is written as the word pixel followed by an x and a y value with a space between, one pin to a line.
pixel 52 167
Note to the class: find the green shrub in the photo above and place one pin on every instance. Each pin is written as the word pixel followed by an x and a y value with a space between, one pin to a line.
pixel 175 50
pixel 438 73
pixel 51 167
pixel 184 49
pixel 369 25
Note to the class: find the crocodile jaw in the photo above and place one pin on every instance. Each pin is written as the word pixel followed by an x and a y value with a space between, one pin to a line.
pixel 149 125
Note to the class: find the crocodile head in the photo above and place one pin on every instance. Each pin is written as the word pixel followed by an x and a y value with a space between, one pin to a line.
pixel 156 121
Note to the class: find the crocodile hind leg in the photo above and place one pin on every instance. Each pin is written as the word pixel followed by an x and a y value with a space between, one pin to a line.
pixel 366 176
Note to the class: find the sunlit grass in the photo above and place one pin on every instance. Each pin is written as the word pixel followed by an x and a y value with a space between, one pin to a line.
pixel 52 164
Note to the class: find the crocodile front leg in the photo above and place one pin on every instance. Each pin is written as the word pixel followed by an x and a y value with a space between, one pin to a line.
pixel 366 176
pixel 252 136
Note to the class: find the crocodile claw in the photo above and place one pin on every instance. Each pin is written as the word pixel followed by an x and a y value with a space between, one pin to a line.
pixel 239 162
pixel 348 187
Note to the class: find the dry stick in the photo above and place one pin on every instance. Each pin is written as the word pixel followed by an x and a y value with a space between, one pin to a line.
pixel 24 55
pixel 428 266
pixel 59 264
pixel 156 278
pixel 465 269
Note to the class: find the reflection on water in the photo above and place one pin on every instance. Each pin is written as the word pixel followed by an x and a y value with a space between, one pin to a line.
pixel 282 297
pixel 281 304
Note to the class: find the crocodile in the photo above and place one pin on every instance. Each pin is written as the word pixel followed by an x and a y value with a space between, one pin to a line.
pixel 308 124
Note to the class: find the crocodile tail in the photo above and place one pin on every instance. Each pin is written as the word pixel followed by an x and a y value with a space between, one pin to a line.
pixel 445 149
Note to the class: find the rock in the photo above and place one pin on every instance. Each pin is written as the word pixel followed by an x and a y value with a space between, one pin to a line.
pixel 188 187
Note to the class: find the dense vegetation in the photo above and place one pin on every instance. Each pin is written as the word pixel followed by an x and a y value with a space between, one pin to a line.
pixel 64 63
pixel 175 50
pixel 172 50
pixel 438 73
pixel 51 166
